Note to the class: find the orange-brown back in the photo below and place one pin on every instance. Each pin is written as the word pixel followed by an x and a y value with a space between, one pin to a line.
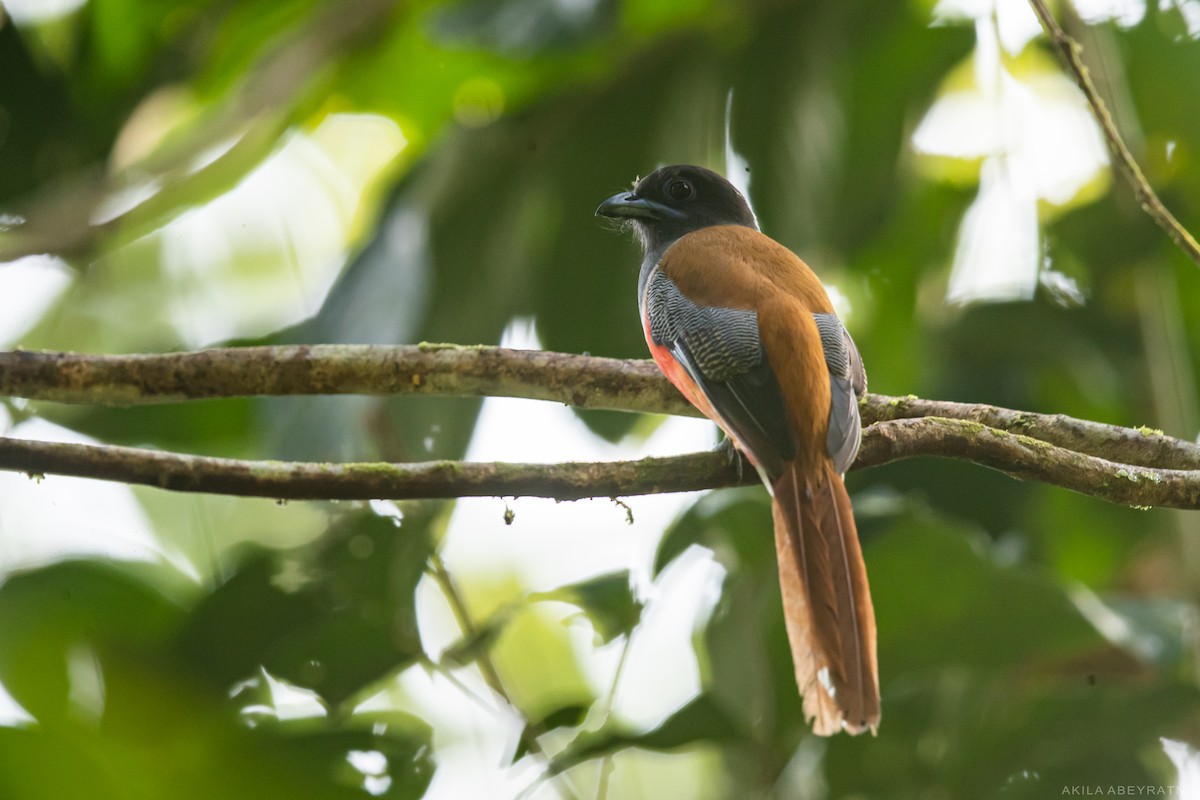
pixel 738 267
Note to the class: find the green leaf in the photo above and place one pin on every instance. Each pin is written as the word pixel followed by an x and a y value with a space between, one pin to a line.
pixel 1155 630
pixel 701 720
pixel 941 601
pixel 568 716
pixel 1012 735
pixel 88 649
pixel 333 626
pixel 381 754
pixel 745 659
pixel 36 135
pixel 469 648
pixel 735 524
pixel 608 601
pixel 571 715
pixel 224 428
pixel 70 611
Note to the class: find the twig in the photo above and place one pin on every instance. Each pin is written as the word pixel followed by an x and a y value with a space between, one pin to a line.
pixel 1014 454
pixel 487 668
pixel 286 480
pixel 1070 53
pixel 1141 446
pixel 610 700
pixel 1027 458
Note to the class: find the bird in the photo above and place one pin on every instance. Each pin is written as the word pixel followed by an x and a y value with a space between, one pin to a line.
pixel 747 333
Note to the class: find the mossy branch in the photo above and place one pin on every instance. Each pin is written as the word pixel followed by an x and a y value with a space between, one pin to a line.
pixel 1124 465
pixel 438 369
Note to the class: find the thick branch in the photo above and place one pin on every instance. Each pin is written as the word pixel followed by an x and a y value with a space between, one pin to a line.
pixel 1070 52
pixel 581 381
pixel 1014 454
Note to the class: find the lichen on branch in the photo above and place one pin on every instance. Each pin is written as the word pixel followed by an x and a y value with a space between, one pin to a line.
pixel 1124 465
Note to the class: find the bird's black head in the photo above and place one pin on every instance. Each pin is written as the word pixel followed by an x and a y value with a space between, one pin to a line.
pixel 674 201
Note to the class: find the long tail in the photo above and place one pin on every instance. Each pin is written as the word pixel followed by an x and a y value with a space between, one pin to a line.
pixel 826 601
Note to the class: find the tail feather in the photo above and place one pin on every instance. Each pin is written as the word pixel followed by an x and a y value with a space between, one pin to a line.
pixel 826 600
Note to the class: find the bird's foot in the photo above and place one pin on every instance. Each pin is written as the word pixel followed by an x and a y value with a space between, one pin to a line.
pixel 736 458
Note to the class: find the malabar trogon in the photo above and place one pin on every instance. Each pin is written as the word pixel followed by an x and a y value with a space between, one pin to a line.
pixel 746 332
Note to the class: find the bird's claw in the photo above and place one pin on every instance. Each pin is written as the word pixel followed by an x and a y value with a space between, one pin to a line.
pixel 735 457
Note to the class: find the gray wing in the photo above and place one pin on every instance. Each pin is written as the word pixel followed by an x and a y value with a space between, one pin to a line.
pixel 721 351
pixel 847 383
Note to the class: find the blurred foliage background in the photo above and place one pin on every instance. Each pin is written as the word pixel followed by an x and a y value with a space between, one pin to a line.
pixel 185 173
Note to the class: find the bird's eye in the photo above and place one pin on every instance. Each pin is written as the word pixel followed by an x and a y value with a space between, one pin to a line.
pixel 680 190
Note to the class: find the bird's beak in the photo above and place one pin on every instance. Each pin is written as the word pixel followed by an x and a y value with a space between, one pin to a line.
pixel 629 206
